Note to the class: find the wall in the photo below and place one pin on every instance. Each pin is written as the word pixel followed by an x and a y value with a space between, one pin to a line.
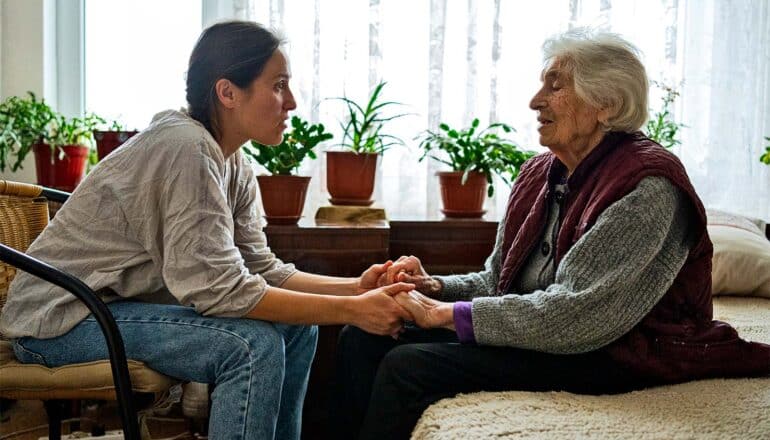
pixel 27 29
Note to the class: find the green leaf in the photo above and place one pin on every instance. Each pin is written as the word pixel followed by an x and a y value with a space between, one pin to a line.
pixel 362 132
pixel 471 150
pixel 297 144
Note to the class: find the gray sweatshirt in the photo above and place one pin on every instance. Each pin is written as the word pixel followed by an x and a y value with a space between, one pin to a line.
pixel 605 284
pixel 166 218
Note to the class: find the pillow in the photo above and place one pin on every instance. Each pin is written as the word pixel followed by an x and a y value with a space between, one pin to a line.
pixel 741 264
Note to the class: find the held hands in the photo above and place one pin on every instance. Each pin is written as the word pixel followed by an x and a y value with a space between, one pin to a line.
pixel 409 270
pixel 427 312
pixel 377 312
pixel 369 279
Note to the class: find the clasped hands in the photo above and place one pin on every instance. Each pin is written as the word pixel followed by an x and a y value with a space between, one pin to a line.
pixel 404 280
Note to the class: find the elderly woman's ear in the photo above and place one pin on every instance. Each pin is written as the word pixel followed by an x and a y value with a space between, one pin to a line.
pixel 604 116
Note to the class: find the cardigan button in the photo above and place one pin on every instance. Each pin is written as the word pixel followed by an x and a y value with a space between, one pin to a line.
pixel 545 248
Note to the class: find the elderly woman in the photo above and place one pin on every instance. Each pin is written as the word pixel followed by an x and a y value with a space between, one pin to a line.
pixel 599 281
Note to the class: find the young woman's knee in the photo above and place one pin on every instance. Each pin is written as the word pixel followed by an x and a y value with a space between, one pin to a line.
pixel 250 342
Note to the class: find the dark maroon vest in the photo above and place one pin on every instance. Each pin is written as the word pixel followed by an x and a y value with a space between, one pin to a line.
pixel 677 340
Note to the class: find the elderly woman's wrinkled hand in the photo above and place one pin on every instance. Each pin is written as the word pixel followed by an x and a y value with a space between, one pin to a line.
pixel 427 312
pixel 409 269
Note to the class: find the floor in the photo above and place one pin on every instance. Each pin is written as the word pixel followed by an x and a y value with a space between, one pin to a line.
pixel 27 419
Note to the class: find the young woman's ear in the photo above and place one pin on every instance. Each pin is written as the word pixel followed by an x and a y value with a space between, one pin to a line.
pixel 226 92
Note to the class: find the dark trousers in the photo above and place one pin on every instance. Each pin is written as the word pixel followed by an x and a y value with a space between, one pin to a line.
pixel 383 385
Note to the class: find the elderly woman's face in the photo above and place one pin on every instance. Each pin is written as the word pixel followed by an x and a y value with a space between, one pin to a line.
pixel 566 121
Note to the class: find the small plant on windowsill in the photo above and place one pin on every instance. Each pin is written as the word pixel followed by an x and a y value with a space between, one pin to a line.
pixel 283 193
pixel 474 156
pixel 61 145
pixel 110 138
pixel 350 174
pixel 765 157
pixel 24 122
pixel 662 128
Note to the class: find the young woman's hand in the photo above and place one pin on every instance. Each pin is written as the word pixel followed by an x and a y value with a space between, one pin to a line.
pixel 427 312
pixel 378 312
pixel 408 269
pixel 369 279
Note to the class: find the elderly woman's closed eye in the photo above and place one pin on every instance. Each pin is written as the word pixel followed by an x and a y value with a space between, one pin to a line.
pixel 599 280
pixel 586 94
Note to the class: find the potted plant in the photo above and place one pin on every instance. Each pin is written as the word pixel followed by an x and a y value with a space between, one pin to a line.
pixel 350 174
pixel 661 127
pixel 283 193
pixel 61 145
pixel 111 138
pixel 474 157
pixel 62 155
pixel 765 157
pixel 24 122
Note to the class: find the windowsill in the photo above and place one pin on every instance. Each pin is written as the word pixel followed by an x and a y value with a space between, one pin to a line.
pixel 310 223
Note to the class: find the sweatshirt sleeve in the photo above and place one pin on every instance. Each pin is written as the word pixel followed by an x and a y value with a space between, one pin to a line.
pixel 249 236
pixel 605 284
pixel 201 265
pixel 483 283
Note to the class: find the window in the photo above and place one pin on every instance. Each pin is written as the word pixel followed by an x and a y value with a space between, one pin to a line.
pixel 136 55
pixel 450 61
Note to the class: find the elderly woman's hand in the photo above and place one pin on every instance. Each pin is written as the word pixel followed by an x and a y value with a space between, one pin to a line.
pixel 427 312
pixel 377 312
pixel 408 269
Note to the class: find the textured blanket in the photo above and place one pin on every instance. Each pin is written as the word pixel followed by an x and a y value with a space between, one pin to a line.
pixel 709 409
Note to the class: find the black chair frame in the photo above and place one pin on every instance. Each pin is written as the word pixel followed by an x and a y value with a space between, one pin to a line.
pixel 96 306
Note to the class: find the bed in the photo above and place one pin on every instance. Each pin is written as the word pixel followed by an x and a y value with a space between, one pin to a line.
pixel 737 408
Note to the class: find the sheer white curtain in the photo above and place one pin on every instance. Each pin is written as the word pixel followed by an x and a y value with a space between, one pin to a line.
pixel 726 102
pixel 454 60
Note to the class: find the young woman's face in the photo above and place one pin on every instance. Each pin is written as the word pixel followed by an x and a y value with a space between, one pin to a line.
pixel 265 105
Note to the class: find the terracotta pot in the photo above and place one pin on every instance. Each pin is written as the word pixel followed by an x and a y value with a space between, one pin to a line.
pixel 63 173
pixel 283 198
pixel 462 201
pixel 350 177
pixel 108 141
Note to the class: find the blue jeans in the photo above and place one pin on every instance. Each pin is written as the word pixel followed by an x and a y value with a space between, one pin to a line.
pixel 259 369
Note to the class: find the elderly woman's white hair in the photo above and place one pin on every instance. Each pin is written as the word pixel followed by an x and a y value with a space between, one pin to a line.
pixel 607 74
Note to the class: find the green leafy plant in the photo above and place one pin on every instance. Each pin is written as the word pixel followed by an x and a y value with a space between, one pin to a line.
pixel 115 125
pixel 765 157
pixel 24 121
pixel 77 130
pixel 27 121
pixel 661 127
pixel 286 157
pixel 472 150
pixel 363 131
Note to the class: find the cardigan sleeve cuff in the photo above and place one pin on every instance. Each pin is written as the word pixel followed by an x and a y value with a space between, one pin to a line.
pixel 463 317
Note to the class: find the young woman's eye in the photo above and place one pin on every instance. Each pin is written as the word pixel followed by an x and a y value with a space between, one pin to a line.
pixel 281 85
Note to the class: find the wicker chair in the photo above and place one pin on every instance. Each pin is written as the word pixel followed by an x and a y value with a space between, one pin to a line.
pixel 23 215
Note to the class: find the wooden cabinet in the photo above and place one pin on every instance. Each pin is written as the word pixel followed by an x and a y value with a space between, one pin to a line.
pixel 446 246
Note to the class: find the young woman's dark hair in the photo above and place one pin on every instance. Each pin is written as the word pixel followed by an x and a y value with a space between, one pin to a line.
pixel 233 50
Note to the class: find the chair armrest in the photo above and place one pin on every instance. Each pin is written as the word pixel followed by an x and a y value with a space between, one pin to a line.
pixel 103 316
pixel 55 195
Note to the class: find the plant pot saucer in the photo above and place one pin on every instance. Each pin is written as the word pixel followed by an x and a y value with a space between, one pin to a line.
pixel 453 213
pixel 349 202
pixel 282 219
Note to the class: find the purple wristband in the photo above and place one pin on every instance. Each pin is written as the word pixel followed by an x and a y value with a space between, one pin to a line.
pixel 463 318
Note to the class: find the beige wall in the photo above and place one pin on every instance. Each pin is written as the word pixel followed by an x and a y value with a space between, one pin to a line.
pixel 25 30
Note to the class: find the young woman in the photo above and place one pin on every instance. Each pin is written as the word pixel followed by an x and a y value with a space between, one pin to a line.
pixel 167 230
